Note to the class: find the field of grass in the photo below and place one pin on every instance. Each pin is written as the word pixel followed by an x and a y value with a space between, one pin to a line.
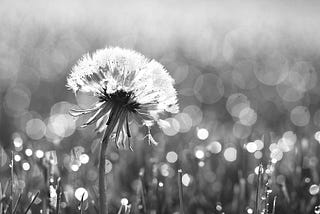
pixel 246 138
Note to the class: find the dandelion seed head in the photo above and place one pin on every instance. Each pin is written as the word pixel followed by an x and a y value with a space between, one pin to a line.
pixel 123 79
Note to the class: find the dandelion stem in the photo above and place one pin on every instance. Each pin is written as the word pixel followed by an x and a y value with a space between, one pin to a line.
pixel 113 120
pixel 180 191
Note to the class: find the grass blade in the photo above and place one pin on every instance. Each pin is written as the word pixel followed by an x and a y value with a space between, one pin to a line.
pixel 58 191
pixel 143 192
pixel 256 209
pixel 81 204
pixel 120 209
pixel 180 190
pixel 1 199
pixel 274 205
pixel 34 198
pixel 16 205
pixel 12 165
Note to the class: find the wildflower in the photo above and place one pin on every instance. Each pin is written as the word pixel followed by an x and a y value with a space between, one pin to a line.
pixel 128 87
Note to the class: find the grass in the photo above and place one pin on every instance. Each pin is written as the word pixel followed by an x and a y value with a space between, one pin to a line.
pixel 217 187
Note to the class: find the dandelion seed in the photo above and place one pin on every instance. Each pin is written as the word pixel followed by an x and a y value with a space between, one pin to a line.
pixel 128 87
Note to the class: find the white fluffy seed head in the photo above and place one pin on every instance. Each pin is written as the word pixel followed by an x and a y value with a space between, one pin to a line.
pixel 114 68
pixel 141 89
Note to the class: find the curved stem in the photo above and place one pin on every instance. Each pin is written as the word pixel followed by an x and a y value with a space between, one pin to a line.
pixel 115 112
pixel 180 191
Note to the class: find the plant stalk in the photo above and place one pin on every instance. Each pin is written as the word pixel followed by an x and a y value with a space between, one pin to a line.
pixel 81 204
pixel 274 205
pixel 17 203
pixel 256 205
pixel 115 113
pixel 34 198
pixel 12 165
pixel 143 192
pixel 58 191
pixel 180 191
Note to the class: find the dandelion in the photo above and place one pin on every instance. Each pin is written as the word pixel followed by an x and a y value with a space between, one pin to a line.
pixel 129 87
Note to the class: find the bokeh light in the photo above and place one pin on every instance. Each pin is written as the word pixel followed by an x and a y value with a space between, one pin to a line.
pixel 186 179
pixel 274 70
pixel 39 153
pixel 276 155
pixel 202 134
pixel 166 170
pixel 62 125
pixel 208 88
pixel 314 189
pixel 74 167
pixel 17 100
pixel 195 114
pixel 243 74
pixel 230 154
pixel 287 142
pixel 173 127
pixel 26 166
pixel 17 158
pixel 124 201
pixel 317 136
pixel 214 147
pixel 258 155
pixel 35 129
pixel 236 103
pixel 247 116
pixel 259 144
pixel 248 92
pixel 249 210
pixel 251 147
pixel 240 131
pixel 81 192
pixel 201 163
pixel 199 153
pixel 185 122
pixel 28 152
pixel 172 157
pixel 300 116
pixel 84 158
pixel 17 140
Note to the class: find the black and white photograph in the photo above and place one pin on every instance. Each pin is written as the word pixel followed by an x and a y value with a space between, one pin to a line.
pixel 159 107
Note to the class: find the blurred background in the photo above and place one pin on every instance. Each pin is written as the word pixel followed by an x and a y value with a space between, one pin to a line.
pixel 247 76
